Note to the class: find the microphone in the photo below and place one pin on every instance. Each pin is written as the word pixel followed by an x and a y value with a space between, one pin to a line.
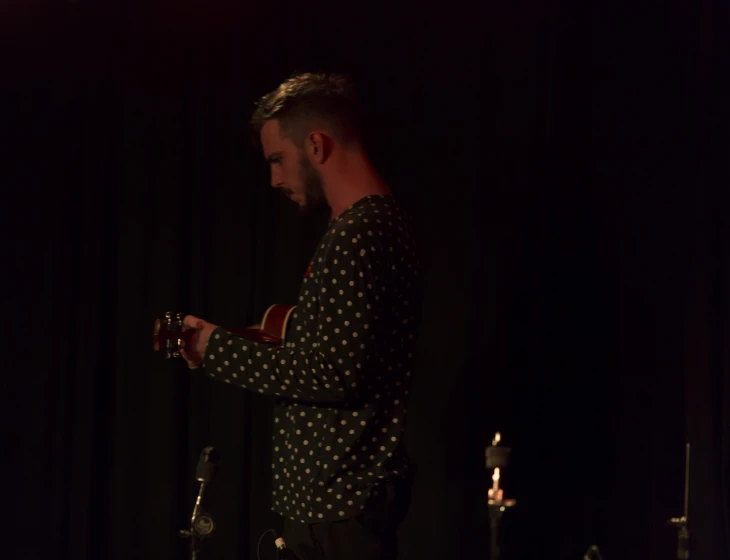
pixel 207 465
pixel 498 458
pixel 681 523
pixel 201 523
pixel 283 552
pixel 592 553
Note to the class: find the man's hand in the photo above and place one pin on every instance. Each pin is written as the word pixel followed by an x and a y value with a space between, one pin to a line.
pixel 194 351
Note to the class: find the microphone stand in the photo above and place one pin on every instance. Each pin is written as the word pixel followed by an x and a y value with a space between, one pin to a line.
pixel 681 522
pixel 497 459
pixel 201 523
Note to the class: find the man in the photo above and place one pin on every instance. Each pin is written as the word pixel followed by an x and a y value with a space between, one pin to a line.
pixel 342 376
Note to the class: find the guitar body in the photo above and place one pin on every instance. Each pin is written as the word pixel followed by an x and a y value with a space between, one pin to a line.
pixel 170 336
pixel 273 326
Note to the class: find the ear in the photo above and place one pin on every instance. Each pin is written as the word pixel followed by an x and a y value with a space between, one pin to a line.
pixel 318 147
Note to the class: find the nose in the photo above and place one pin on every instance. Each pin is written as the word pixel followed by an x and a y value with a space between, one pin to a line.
pixel 277 180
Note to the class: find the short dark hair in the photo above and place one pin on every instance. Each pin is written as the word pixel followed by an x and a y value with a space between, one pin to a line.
pixel 308 98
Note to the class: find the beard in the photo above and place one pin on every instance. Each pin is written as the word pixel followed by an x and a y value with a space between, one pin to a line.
pixel 314 196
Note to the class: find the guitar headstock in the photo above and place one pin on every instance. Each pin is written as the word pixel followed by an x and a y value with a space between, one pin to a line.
pixel 169 335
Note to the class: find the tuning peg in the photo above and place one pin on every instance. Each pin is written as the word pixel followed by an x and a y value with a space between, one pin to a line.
pixel 176 354
pixel 179 317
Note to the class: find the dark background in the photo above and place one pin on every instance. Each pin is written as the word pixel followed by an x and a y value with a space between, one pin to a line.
pixel 567 167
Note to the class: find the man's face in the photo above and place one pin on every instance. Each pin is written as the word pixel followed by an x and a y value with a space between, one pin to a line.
pixel 291 170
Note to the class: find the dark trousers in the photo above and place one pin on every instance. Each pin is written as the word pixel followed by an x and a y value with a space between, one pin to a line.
pixel 372 535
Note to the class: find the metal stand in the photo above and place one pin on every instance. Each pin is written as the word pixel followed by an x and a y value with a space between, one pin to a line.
pixel 201 523
pixel 681 522
pixel 497 459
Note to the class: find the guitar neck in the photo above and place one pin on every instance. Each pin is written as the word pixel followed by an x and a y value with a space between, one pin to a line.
pixel 169 334
pixel 255 335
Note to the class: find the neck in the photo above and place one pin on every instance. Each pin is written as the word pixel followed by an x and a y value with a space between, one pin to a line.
pixel 351 180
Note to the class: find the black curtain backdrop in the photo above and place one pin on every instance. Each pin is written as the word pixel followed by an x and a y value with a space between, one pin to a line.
pixel 567 167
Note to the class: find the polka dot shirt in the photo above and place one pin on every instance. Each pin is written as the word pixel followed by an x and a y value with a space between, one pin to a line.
pixel 343 374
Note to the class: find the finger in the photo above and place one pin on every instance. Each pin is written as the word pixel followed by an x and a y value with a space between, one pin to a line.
pixel 191 322
pixel 191 364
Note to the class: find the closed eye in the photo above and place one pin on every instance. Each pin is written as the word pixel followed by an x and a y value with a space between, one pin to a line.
pixel 275 158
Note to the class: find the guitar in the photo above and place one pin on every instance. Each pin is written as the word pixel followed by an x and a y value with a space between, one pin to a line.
pixel 170 334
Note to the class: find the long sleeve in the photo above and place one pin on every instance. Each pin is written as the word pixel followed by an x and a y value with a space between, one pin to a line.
pixel 344 371
pixel 340 308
